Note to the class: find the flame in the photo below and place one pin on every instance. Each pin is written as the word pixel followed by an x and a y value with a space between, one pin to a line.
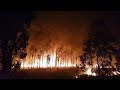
pixel 88 71
pixel 94 74
pixel 116 73
pixel 76 76
pixel 42 62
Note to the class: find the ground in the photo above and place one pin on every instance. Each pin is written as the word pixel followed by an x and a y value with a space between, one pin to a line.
pixel 64 73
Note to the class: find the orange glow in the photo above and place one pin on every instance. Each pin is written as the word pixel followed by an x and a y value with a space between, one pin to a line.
pixel 88 72
pixel 42 62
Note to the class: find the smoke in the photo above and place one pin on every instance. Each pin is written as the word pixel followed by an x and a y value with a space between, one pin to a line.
pixel 60 34
pixel 65 30
pixel 62 29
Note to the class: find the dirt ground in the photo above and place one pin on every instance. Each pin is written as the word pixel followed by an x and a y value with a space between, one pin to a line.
pixel 61 73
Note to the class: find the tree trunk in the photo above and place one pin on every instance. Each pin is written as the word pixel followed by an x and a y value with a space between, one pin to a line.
pixel 110 60
pixel 98 67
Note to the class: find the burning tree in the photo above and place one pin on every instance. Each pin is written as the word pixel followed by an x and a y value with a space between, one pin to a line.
pixel 11 42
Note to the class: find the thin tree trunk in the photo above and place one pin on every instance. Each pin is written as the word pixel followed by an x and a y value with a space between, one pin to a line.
pixel 98 67
pixel 76 59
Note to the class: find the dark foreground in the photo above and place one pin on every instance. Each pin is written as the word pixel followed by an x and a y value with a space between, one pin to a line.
pixel 68 73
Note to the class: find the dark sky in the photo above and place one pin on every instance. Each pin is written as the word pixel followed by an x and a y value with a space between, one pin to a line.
pixel 12 22
pixel 70 27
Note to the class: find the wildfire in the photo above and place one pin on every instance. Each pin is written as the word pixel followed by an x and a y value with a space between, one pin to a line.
pixel 43 63
pixel 89 72
pixel 116 73
pixel 76 76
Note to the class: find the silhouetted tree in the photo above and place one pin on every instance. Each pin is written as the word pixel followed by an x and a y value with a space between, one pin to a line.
pixel 89 51
pixel 99 42
pixel 117 57
pixel 11 24
pixel 83 59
